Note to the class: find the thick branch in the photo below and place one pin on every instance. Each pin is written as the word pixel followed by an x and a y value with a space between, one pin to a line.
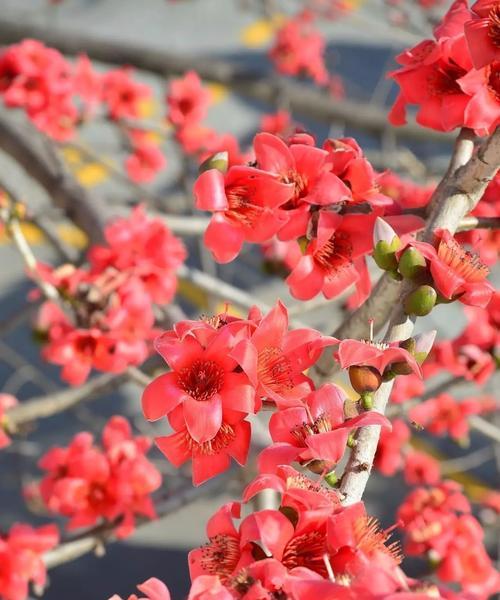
pixel 303 99
pixel 459 194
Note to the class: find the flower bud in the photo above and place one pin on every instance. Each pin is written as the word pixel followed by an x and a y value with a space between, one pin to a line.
pixel 318 467
pixel 217 161
pixel 421 301
pixel 386 243
pixel 364 379
pixel 412 264
pixel 331 478
pixel 421 345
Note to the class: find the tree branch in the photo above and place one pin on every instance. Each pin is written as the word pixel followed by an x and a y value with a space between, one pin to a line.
pixel 461 191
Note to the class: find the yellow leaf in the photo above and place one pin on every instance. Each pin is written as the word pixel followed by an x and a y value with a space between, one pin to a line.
pixel 260 32
pixel 91 174
pixel 148 107
pixel 72 156
pixel 218 92
pixel 73 236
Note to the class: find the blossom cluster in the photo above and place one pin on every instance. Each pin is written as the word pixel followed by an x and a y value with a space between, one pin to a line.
pixel 305 195
pixel 438 526
pixel 453 78
pixel 223 369
pixel 21 562
pixel 89 484
pixel 311 546
pixel 105 318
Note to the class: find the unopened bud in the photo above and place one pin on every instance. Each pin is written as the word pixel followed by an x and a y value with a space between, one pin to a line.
pixel 331 479
pixel 386 242
pixel 367 400
pixel 217 161
pixel 318 467
pixel 423 343
pixel 421 301
pixel 412 264
pixel 364 379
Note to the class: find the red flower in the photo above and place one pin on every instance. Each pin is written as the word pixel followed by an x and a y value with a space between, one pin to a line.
pixel 299 49
pixel 389 458
pixel 275 359
pixel 482 113
pixel 483 33
pixel 457 273
pixel 144 248
pixel 187 100
pixel 279 123
pixel 21 558
pixel 203 383
pixel 6 401
pixel 308 169
pixel 246 205
pixel 444 414
pixel 420 468
pixel 87 484
pixel 153 588
pixel 146 161
pixel 317 430
pixel 122 94
pixel 406 388
pixel 430 72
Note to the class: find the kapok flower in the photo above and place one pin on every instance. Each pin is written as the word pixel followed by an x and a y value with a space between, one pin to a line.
pixel 204 383
pixel 187 100
pixel 315 431
pixel 144 248
pixel 6 401
pixel 309 170
pixel 421 469
pixel 457 273
pixel 145 162
pixel 246 207
pixel 87 484
pixel 21 558
pixel 122 94
pixel 153 588
pixel 482 113
pixel 275 359
pixel 444 414
pixel 483 33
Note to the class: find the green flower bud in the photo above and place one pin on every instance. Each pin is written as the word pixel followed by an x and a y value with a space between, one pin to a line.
pixel 421 301
pixel 386 243
pixel 331 479
pixel 217 161
pixel 412 264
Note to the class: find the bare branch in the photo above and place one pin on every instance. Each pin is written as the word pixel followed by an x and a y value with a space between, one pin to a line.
pixel 467 462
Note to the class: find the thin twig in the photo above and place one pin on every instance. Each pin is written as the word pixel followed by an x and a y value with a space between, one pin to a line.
pixel 467 462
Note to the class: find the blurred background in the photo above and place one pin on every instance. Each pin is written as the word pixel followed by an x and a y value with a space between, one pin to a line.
pixel 227 42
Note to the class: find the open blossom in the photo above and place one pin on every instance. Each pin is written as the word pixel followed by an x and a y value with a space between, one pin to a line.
pixel 315 431
pixel 153 589
pixel 299 49
pixel 146 160
pixel 275 359
pixel 457 273
pixel 246 207
pixel 6 401
pixel 21 558
pixel 483 33
pixel 187 100
pixel 444 414
pixel 87 483
pixel 421 469
pixel 122 95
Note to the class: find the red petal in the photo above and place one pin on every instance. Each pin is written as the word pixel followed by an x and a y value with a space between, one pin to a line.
pixel 209 191
pixel 223 239
pixel 206 467
pixel 329 446
pixel 161 396
pixel 272 153
pixel 174 447
pixel 203 418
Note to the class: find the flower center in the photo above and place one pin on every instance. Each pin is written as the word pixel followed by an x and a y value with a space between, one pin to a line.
pixel 335 254
pixel 216 445
pixel 443 79
pixel 300 187
pixel 306 550
pixel 320 425
pixel 241 208
pixel 371 538
pixel 464 263
pixel 220 556
pixel 202 379
pixel 494 79
pixel 494 25
pixel 275 369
